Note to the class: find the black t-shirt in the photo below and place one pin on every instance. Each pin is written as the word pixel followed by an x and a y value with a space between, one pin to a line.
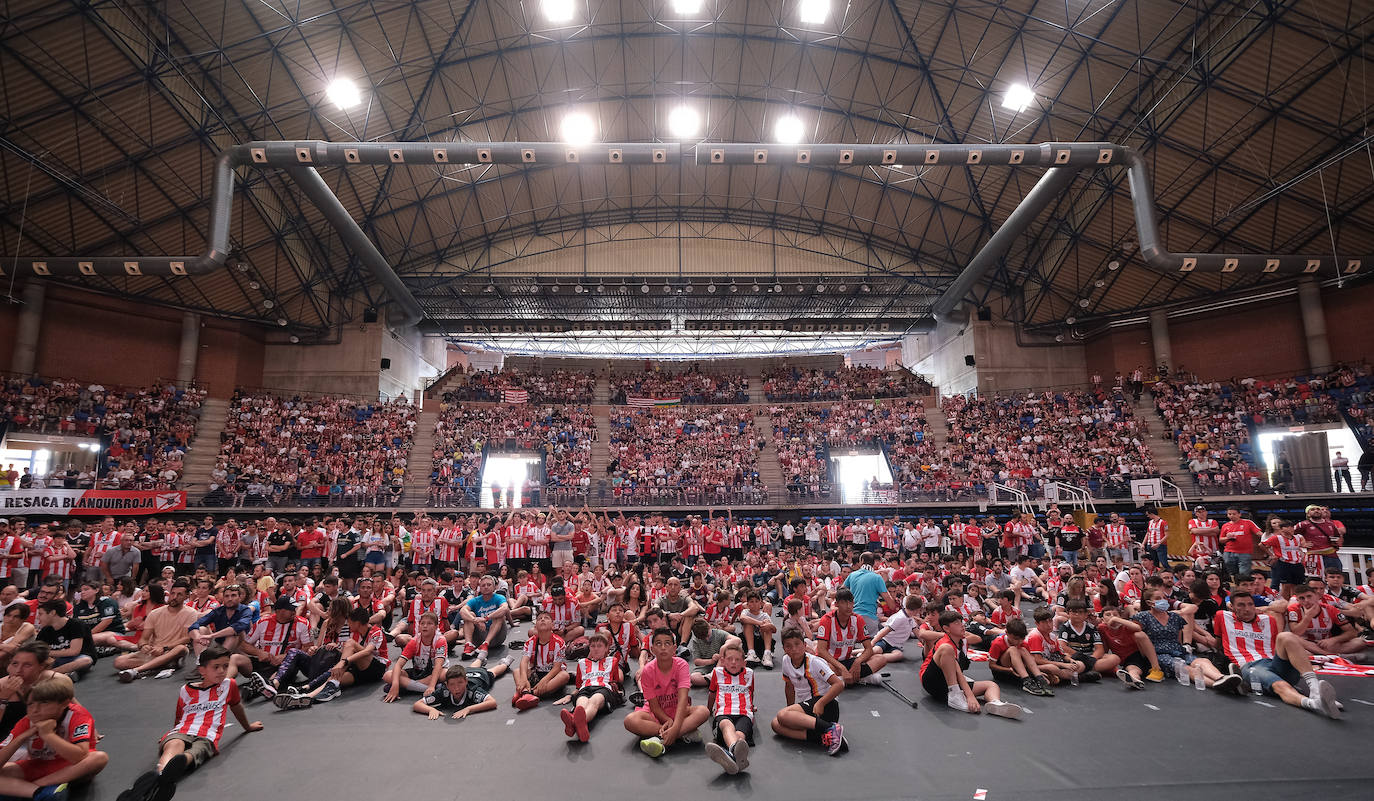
pixel 1206 611
pixel 479 681
pixel 91 614
pixel 347 539
pixel 206 533
pixel 61 639
pixel 1080 642
pixel 1070 540
pixel 277 539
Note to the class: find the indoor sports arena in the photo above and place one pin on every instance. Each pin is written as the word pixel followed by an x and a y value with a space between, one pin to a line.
pixel 686 399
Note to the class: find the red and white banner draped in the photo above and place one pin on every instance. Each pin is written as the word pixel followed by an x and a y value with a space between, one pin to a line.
pixel 91 502
pixel 648 402
pixel 515 396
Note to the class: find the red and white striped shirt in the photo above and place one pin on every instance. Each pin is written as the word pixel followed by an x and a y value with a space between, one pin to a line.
pixel 516 550
pixel 539 542
pixel 101 541
pixel 276 638
pixel 1157 532
pixel 451 551
pixel 422 655
pixel 226 543
pixel 35 561
pixel 418 607
pixel 668 537
pixel 732 693
pixel 1118 535
pixel 695 541
pixel 1206 533
pixel 1245 642
pixel 840 639
pixel 10 544
pixel 737 535
pixel 53 566
pixel 202 711
pixel 1289 548
pixel 623 641
pixel 599 673
pixel 565 614
pixel 831 531
pixel 422 546
pixel 544 656
pixel 763 535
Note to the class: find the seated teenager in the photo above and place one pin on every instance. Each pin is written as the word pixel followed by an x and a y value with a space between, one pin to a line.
pixel 1010 660
pixel 421 664
pixel 540 673
pixel 53 745
pixel 808 716
pixel 732 707
pixel 73 649
pixel 667 714
pixel 599 682
pixel 942 673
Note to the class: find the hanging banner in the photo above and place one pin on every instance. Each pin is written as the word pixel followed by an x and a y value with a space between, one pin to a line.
pixel 90 502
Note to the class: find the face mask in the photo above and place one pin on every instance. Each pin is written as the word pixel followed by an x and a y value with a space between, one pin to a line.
pixel 1162 605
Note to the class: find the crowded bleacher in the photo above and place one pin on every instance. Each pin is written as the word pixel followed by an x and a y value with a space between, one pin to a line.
pixel 847 383
pixel 1024 440
pixel 694 454
pixel 144 431
pixel 690 386
pixel 314 451
pixel 554 386
pixel 563 435
pixel 805 433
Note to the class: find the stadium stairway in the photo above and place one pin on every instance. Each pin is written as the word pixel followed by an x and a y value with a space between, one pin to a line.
pixel 755 385
pixel 935 422
pixel 421 459
pixel 601 453
pixel 601 393
pixel 200 455
pixel 1164 451
pixel 770 469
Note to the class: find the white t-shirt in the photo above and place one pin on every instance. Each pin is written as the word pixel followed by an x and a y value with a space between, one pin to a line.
pixel 813 532
pixel 932 536
pixel 811 680
pixel 1025 574
pixel 908 538
pixel 788 531
pixel 903 629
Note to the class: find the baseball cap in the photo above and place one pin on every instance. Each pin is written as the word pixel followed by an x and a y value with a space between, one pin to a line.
pixel 284 603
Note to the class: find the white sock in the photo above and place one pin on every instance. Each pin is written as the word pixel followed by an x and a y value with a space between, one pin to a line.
pixel 1312 682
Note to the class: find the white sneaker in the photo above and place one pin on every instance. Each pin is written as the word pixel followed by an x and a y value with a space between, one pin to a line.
pixel 956 700
pixel 1002 709
pixel 767 662
pixel 872 680
pixel 691 736
pixel 751 658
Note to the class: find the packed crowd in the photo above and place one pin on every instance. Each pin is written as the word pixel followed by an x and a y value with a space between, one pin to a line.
pixel 699 454
pixel 644 613
pixel 554 386
pixel 312 451
pixel 1091 439
pixel 563 435
pixel 148 428
pixel 690 386
pixel 805 433
pixel 847 383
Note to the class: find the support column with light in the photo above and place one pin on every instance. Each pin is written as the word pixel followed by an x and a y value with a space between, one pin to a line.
pixel 1314 325
pixel 190 349
pixel 1159 335
pixel 26 335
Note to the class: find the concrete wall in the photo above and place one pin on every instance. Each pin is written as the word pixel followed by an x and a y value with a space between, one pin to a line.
pixel 940 356
pixel 93 337
pixel 352 366
pixel 415 361
pixel 1005 365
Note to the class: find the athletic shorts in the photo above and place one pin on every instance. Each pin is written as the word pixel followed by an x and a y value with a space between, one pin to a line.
pixel 742 723
pixel 831 713
pixel 418 674
pixel 1288 573
pixel 885 647
pixel 198 749
pixel 613 698
pixel 848 663
pixel 369 675
pixel 1089 661
pixel 933 681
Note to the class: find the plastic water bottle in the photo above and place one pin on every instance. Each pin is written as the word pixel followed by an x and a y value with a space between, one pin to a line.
pixel 1200 679
pixel 1073 678
pixel 1256 687
pixel 1181 671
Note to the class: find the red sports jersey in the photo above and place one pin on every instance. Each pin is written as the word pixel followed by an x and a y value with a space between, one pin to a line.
pixel 451 551
pixel 695 541
pixel 840 639
pixel 10 544
pixel 973 535
pixel 516 550
pixel 624 642
pixel 545 656
pixel 1118 535
pixel 539 542
pixel 737 535
pixel 100 543
pixel 422 656
pixel 1000 616
pixel 831 531
pixel 1207 533
pixel 276 638
pixel 1322 624
pixel 226 543
pixel 668 537
pixel 423 546
pixel 565 614
pixel 763 535
pixel 53 566
pixel 599 673
pixel 1047 645
pixel 1288 549
pixel 720 614
pixel 417 607
pixel 203 711
pixel 732 693
pixel 1245 642
pixel 75 726
pixel 1157 533
pixel 376 638
pixel 960 647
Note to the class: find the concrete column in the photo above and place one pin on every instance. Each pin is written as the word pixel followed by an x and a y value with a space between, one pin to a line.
pixel 190 348
pixel 1159 334
pixel 30 321
pixel 1314 324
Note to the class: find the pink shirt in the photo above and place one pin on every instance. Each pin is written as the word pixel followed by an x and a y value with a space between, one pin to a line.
pixel 655 684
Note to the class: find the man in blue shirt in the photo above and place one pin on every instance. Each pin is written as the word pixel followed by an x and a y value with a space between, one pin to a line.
pixel 227 623
pixel 867 587
pixel 484 616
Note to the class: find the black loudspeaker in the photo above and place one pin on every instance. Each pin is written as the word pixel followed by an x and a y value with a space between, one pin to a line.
pixel 984 314
pixel 369 315
pixel 386 363
pixel 967 360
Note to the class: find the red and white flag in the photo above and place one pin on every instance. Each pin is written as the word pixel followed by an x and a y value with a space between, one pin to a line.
pixel 515 396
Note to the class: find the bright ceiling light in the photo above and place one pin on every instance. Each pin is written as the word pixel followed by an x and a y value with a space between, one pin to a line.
pixel 343 93
pixel 684 122
pixel 686 6
pixel 789 129
pixel 578 128
pixel 1018 97
pixel 557 10
pixel 813 12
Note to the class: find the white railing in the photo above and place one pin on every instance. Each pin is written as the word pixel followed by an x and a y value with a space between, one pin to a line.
pixel 1075 497
pixel 1356 561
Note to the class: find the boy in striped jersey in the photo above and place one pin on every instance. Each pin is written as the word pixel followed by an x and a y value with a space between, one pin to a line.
pixel 732 710
pixel 201 716
pixel 599 687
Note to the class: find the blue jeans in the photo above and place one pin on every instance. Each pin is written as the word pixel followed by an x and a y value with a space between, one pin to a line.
pixel 1162 554
pixel 1071 557
pixel 1237 564
pixel 1268 672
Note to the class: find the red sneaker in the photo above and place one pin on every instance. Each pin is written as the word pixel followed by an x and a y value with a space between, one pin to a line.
pixel 580 721
pixel 569 727
pixel 526 701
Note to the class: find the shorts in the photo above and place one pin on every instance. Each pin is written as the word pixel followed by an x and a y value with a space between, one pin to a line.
pixel 885 647
pixel 612 698
pixel 35 769
pixel 742 723
pixel 1287 573
pixel 831 713
pixel 198 749
pixel 933 681
pixel 864 670
pixel 560 557
pixel 369 675
pixel 1136 659
pixel 418 674
pixel 1089 661
pixel 1268 672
